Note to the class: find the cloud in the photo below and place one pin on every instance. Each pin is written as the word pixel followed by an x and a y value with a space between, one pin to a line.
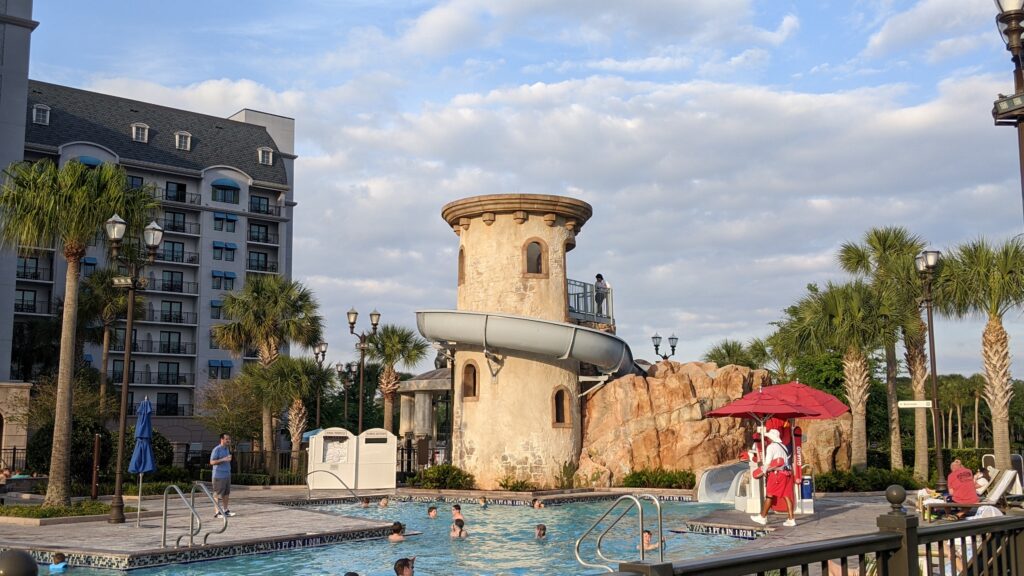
pixel 926 20
pixel 957 46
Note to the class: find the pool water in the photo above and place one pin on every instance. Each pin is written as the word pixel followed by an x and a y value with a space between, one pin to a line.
pixel 501 542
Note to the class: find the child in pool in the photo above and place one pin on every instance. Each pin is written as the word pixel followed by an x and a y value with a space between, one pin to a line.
pixel 59 564
pixel 458 529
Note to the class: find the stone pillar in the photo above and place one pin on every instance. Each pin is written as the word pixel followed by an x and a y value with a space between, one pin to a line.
pixel 14 403
pixel 406 411
pixel 180 454
pixel 424 411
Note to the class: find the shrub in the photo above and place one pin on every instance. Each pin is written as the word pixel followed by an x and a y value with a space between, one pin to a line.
pixel 80 452
pixel 512 484
pixel 444 477
pixel 566 477
pixel 240 479
pixel 659 478
pixel 870 480
pixel 163 452
pixel 290 479
pixel 84 508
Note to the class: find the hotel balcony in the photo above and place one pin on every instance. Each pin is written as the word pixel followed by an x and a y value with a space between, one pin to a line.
pixel 263 237
pixel 177 197
pixel 268 266
pixel 38 307
pixel 160 285
pixel 153 378
pixel 178 257
pixel 190 318
pixel 151 347
pixel 173 226
pixel 34 275
pixel 165 410
pixel 268 209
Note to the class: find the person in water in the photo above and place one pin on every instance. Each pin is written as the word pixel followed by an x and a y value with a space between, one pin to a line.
pixel 432 512
pixel 540 531
pixel 647 544
pixel 459 529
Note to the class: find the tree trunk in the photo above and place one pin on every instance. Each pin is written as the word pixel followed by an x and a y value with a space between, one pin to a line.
pixel 959 426
pixel 917 366
pixel 269 461
pixel 104 357
pixel 389 409
pixel 388 385
pixel 58 489
pixel 998 391
pixel 895 437
pixel 297 417
pixel 977 426
pixel 856 382
pixel 949 428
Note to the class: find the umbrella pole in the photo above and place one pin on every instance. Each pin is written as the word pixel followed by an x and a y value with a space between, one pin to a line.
pixel 138 516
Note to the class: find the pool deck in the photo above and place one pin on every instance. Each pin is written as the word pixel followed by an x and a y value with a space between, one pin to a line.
pixel 274 519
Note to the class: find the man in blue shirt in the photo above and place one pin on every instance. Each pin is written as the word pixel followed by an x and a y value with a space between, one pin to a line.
pixel 220 460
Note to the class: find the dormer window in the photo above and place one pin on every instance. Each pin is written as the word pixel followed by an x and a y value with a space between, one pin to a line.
pixel 140 132
pixel 41 114
pixel 183 140
pixel 266 156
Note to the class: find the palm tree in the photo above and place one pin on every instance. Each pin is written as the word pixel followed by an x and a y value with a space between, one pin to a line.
pixel 268 313
pixel 101 302
pixel 843 319
pixel 41 204
pixel 772 355
pixel 728 352
pixel 393 346
pixel 978 278
pixel 976 385
pixel 917 365
pixel 884 258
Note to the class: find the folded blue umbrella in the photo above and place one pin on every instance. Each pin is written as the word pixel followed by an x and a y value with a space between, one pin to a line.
pixel 142 457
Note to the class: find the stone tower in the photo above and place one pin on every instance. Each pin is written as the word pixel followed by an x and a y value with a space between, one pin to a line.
pixel 516 415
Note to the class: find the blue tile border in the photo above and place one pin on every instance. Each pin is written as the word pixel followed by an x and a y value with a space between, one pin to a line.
pixel 723 530
pixel 548 501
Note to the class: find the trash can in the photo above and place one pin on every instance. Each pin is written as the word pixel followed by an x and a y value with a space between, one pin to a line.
pixel 807 488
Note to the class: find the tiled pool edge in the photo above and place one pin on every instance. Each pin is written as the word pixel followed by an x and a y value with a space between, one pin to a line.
pixel 526 501
pixel 161 557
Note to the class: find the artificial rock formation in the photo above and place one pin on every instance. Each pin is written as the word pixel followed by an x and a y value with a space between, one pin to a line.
pixel 659 421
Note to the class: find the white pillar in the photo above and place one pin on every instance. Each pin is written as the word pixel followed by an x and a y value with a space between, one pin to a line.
pixel 405 418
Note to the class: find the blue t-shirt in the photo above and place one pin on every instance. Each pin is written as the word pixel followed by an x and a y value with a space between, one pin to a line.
pixel 223 469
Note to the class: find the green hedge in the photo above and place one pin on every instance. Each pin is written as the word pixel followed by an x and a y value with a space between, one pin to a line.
pixel 513 485
pixel 239 479
pixel 659 478
pixel 84 508
pixel 870 480
pixel 444 477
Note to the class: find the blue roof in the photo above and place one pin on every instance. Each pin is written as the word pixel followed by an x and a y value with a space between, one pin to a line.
pixel 226 363
pixel 218 244
pixel 216 302
pixel 218 274
pixel 231 217
pixel 231 246
pixel 226 183
pixel 89 160
pixel 88 260
pixel 230 275
pixel 214 362
pixel 219 215
pixel 87 357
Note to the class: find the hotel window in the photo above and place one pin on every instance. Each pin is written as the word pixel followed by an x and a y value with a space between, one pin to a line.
pixel 25 301
pixel 225 194
pixel 266 156
pixel 229 250
pixel 170 311
pixel 229 280
pixel 167 373
pixel 175 192
pixel 216 311
pixel 218 250
pixel 28 267
pixel 41 114
pixel 183 141
pixel 218 280
pixel 135 182
pixel 140 132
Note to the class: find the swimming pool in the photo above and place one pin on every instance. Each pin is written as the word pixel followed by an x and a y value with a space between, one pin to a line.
pixel 501 542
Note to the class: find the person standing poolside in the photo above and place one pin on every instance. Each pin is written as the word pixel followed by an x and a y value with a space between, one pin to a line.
pixel 601 289
pixel 780 479
pixel 404 566
pixel 220 460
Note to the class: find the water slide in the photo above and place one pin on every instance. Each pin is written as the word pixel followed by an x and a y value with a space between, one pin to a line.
pixel 555 340
pixel 722 484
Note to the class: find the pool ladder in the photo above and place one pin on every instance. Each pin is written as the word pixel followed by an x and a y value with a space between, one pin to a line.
pixel 634 502
pixel 195 522
pixel 309 488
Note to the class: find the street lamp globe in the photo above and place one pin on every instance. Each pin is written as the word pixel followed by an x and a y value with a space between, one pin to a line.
pixel 672 341
pixel 1005 6
pixel 115 228
pixel 353 315
pixel 152 235
pixel 656 340
pixel 374 319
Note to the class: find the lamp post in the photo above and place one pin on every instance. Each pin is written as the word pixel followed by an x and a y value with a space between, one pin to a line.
pixel 346 376
pixel 362 346
pixel 926 263
pixel 320 354
pixel 152 235
pixel 1009 110
pixel 672 341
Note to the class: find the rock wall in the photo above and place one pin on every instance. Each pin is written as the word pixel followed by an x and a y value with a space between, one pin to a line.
pixel 659 421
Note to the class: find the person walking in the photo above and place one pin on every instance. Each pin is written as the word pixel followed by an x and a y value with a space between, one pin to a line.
pixel 780 479
pixel 601 289
pixel 220 460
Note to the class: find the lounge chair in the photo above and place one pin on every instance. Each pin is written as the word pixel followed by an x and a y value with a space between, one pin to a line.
pixel 995 495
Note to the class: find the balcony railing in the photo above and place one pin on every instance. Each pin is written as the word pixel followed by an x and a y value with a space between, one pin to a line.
pixel 165 410
pixel 151 347
pixel 178 257
pixel 176 196
pixel 263 237
pixel 154 378
pixel 163 316
pixel 177 226
pixel 269 209
pixel 37 307
pixel 261 265
pixel 160 285
pixel 41 274
pixel 586 304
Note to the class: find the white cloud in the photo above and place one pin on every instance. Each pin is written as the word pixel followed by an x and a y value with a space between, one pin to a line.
pixel 957 46
pixel 925 21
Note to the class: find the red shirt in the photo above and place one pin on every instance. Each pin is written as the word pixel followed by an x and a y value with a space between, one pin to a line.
pixel 961 486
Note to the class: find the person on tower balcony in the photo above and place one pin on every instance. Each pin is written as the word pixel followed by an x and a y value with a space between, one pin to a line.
pixel 601 289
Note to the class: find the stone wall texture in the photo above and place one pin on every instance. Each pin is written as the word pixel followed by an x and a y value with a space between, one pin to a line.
pixel 659 421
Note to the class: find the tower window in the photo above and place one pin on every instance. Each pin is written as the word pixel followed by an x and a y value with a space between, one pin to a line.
pixel 183 141
pixel 140 132
pixel 560 415
pixel 469 387
pixel 535 255
pixel 41 114
pixel 266 156
pixel 462 267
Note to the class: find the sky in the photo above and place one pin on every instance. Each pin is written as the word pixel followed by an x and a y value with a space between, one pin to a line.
pixel 728 147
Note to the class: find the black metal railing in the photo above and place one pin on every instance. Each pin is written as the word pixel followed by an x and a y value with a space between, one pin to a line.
pixel 261 265
pixel 165 409
pixel 251 462
pixel 178 196
pixel 177 256
pixel 34 274
pixel 163 316
pixel 177 226
pixel 160 285
pixel 151 347
pixel 37 307
pixel 263 237
pixel 587 304
pixel 13 458
pixel 157 378
pixel 260 208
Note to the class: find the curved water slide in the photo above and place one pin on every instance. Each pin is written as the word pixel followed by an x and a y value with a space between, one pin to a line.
pixel 556 340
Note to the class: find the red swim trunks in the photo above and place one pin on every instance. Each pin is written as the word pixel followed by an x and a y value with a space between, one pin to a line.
pixel 780 484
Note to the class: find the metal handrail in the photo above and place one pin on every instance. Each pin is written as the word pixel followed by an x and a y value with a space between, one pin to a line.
pixel 202 486
pixel 634 503
pixel 194 518
pixel 309 489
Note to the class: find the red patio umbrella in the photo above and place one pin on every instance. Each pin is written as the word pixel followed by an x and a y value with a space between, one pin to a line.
pixel 826 405
pixel 760 406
